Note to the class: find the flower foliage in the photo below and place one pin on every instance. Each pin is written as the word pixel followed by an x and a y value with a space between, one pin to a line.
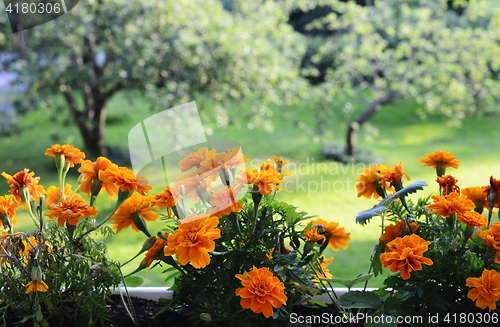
pixel 42 270
pixel 227 239
pixel 439 247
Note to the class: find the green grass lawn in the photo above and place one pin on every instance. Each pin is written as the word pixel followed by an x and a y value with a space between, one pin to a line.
pixel 318 186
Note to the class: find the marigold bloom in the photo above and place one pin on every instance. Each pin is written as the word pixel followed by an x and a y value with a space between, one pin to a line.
pixel 193 240
pixel 392 232
pixel 313 235
pixel 448 184
pixel 338 235
pixel 486 291
pixel 127 215
pixel 91 171
pixel 477 195
pixel 261 291
pixel 406 254
pixel 393 176
pixel 322 269
pixel 8 208
pixel 440 160
pixel 153 252
pixel 265 180
pixel 224 201
pixel 35 286
pixel 53 193
pixel 194 159
pixel 491 237
pixel 165 198
pixel 23 180
pixel 226 160
pixel 368 182
pixel 196 184
pixel 452 203
pixel 74 155
pixel 126 180
pixel 269 253
pixel 70 209
pixel 279 166
pixel 473 219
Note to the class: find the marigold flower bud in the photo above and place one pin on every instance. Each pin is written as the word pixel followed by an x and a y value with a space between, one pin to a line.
pixel 148 244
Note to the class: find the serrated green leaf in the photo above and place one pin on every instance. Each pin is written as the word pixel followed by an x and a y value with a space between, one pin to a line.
pixel 364 216
pixel 134 281
pixel 360 299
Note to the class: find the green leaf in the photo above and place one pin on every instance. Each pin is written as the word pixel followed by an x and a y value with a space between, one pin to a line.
pixel 376 264
pixel 321 304
pixel 349 283
pixel 134 281
pixel 360 299
pixel 364 216
pixel 394 307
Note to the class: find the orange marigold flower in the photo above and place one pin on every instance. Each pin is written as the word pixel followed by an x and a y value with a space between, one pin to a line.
pixel 279 166
pixel 165 198
pixel 265 180
pixel 493 192
pixel 53 194
pixel 368 182
pixel 23 185
pixel 452 203
pixel 261 291
pixel 486 291
pixel 194 159
pixel 392 232
pixel 477 195
pixel 224 201
pixel 226 160
pixel 153 252
pixel 70 209
pixel 448 184
pixel 491 237
pixel 322 269
pixel 91 171
pixel 129 214
pixel 338 235
pixel 406 254
pixel 8 208
pixel 198 184
pixel 473 219
pixel 269 253
pixel 36 286
pixel 267 165
pixel 74 155
pixel 193 240
pixel 440 160
pixel 313 235
pixel 394 177
pixel 126 180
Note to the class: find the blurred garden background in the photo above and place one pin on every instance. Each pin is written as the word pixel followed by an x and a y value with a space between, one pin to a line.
pixel 333 86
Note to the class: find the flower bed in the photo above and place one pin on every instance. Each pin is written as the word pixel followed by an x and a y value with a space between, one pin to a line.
pixel 238 255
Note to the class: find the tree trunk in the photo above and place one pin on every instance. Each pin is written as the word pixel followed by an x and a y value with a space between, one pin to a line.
pixel 92 131
pixel 354 125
